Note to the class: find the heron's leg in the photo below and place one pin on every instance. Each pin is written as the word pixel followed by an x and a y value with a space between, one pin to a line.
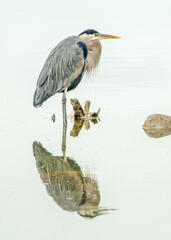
pixel 64 107
pixel 64 141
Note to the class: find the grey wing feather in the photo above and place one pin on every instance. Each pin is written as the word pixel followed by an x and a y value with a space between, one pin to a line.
pixel 62 66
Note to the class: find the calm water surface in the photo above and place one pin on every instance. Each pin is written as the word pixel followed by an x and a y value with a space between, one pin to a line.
pixel 113 164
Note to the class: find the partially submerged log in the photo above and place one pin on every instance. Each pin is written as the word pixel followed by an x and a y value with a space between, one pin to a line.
pixel 82 116
pixel 87 107
pixel 80 112
pixel 157 125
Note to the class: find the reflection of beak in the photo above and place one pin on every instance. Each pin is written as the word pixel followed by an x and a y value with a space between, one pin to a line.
pixel 103 210
pixel 94 212
pixel 106 36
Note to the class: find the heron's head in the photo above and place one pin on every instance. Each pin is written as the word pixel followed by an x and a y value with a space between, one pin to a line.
pixel 91 35
pixel 91 38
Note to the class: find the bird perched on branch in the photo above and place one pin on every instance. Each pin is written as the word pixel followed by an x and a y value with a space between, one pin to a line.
pixel 66 64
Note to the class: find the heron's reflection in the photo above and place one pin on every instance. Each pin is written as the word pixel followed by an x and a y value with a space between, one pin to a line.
pixel 65 182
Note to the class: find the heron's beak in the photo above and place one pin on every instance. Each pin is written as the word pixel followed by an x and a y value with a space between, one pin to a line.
pixel 106 36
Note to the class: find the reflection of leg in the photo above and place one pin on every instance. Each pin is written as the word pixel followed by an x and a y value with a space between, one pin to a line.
pixel 64 107
pixel 64 141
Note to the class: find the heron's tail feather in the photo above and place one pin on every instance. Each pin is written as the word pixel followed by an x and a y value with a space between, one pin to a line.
pixel 39 97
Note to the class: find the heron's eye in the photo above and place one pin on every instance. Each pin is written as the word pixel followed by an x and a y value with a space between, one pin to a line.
pixel 96 35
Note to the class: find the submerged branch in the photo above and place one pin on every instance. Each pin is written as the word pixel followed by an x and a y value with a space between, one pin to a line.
pixel 80 112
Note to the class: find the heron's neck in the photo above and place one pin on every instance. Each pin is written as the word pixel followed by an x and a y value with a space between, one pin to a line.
pixel 94 52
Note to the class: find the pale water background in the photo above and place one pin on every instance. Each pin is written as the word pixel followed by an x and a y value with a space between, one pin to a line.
pixel 133 80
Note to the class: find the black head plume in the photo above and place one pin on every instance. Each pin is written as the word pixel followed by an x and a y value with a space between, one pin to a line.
pixel 88 31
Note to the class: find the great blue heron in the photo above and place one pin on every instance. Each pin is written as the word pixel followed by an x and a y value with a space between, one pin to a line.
pixel 65 65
